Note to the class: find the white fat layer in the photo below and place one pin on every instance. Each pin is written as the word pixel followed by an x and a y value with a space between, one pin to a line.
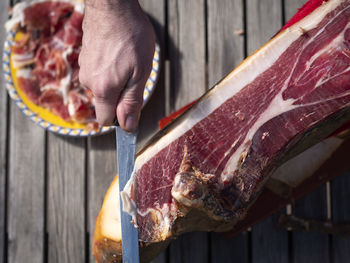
pixel 48 86
pixel 22 57
pixel 66 81
pixel 25 73
pixel 252 67
pixel 71 108
pixel 305 164
pixel 21 60
pixel 129 205
pixel 18 11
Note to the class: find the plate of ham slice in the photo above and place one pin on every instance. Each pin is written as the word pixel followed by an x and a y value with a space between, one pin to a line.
pixel 40 64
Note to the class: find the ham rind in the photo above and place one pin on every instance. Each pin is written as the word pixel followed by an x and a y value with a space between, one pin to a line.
pixel 208 166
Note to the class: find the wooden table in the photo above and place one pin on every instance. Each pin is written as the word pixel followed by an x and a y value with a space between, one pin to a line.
pixel 52 187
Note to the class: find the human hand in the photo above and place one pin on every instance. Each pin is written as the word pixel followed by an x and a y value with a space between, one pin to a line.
pixel 116 59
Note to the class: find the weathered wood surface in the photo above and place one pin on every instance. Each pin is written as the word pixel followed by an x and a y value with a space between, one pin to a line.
pixel 225 38
pixel 311 247
pixel 225 250
pixel 56 185
pixel 186 27
pixel 340 213
pixel 66 199
pixel 264 19
pixel 3 140
pixel 25 189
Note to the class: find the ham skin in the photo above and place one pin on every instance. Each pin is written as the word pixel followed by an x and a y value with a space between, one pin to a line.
pixel 206 169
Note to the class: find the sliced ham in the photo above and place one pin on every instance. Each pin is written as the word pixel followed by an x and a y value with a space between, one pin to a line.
pixel 205 169
pixel 52 99
pixel 50 47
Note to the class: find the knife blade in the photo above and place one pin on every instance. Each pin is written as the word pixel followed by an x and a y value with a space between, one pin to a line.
pixel 126 143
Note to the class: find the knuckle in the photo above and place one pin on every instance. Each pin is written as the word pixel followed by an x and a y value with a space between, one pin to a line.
pixel 104 93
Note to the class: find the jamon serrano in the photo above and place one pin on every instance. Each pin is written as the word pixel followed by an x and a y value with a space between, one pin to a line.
pixel 46 58
pixel 205 169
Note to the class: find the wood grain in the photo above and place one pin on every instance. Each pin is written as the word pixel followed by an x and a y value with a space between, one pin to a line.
pixel 190 248
pixel 186 29
pixel 228 250
pixel 291 7
pixel 225 38
pixel 269 244
pixel 154 110
pixel 66 203
pixel 3 139
pixel 26 189
pixel 264 19
pixel 311 247
pixel 340 212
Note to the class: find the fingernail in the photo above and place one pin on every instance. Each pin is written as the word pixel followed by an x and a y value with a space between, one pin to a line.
pixel 131 122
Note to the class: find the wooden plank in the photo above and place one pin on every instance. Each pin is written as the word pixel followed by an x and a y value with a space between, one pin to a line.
pixel 263 20
pixel 225 51
pixel 186 51
pixel 66 203
pixel 3 139
pixel 269 244
pixel 340 212
pixel 102 167
pixel 225 38
pixel 313 246
pixel 155 108
pixel 224 250
pixel 291 7
pixel 186 44
pixel 26 189
pixel 190 248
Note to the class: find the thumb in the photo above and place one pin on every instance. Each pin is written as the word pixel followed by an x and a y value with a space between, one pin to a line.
pixel 129 106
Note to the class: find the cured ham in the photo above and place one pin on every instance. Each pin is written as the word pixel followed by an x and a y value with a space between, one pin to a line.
pixel 46 58
pixel 206 169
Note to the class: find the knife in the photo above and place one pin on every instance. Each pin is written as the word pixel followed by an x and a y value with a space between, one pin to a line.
pixel 126 142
